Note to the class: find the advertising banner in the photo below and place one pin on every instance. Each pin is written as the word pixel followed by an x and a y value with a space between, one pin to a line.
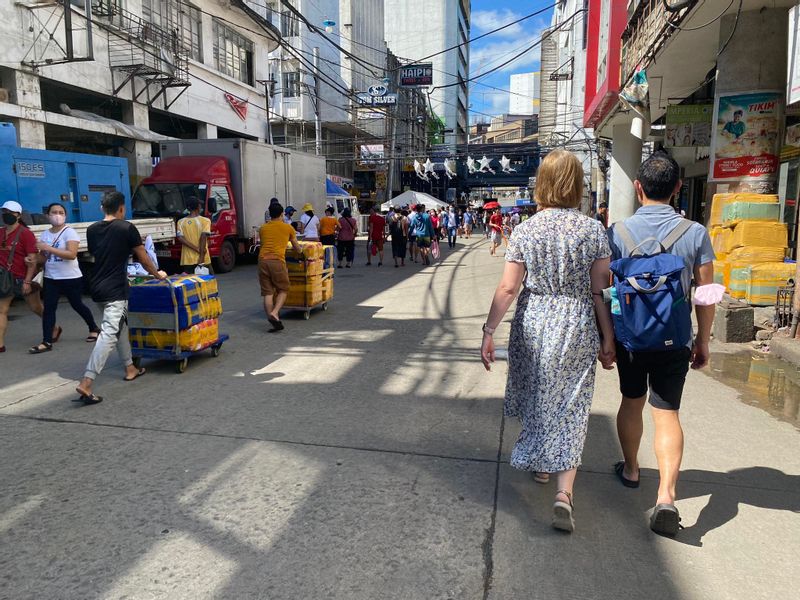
pixel 746 141
pixel 417 75
pixel 688 125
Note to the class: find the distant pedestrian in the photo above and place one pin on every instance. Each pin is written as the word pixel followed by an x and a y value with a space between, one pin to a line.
pixel 660 372
pixel 398 229
pixel 327 228
pixel 487 224
pixel 514 220
pixel 346 232
pixel 272 201
pixel 422 226
pixel 111 241
pixel 288 216
pixel 58 254
pixel 193 233
pixel 602 214
pixel 376 236
pixel 496 230
pixel 451 227
pixel 309 224
pixel 469 221
pixel 273 275
pixel 17 267
pixel 561 259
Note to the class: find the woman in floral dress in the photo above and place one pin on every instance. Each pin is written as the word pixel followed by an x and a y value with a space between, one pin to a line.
pixel 562 258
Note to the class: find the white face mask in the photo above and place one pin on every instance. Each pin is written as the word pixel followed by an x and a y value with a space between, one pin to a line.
pixel 57 220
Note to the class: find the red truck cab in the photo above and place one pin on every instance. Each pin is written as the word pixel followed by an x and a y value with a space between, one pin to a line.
pixel 208 178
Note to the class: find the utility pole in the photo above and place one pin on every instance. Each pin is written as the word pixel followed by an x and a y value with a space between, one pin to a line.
pixel 317 119
pixel 269 88
pixel 392 122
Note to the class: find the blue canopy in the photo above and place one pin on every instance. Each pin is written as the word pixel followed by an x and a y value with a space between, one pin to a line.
pixel 331 189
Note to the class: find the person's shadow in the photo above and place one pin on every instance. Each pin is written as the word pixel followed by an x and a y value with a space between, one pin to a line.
pixel 761 487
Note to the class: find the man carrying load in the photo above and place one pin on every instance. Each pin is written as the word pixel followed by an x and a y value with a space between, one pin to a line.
pixel 273 275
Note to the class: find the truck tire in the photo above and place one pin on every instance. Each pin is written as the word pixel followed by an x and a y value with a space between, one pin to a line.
pixel 226 260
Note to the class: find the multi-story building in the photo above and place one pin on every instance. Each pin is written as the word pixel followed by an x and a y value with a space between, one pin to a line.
pixel 523 97
pixel 150 68
pixel 418 30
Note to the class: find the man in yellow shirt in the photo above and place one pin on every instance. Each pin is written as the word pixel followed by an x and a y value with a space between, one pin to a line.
pixel 193 232
pixel 273 275
pixel 327 228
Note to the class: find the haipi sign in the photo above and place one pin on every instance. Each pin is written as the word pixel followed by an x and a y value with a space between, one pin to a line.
pixel 418 75
pixel 378 95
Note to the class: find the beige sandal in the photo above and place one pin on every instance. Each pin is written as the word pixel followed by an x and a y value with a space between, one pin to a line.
pixel 541 477
pixel 562 513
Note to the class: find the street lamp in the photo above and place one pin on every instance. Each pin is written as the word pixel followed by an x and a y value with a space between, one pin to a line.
pixel 329 25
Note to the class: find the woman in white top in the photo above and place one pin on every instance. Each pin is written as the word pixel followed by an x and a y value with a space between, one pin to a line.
pixel 309 224
pixel 58 248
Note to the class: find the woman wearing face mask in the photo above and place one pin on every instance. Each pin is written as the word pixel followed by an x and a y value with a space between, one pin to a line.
pixel 58 248
pixel 18 257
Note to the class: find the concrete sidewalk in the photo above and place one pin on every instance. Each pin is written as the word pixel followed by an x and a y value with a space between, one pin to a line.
pixel 362 454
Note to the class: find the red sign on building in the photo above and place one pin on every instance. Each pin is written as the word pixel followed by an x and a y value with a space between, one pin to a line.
pixel 607 20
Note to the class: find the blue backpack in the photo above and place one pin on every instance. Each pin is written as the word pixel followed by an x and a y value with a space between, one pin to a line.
pixel 649 307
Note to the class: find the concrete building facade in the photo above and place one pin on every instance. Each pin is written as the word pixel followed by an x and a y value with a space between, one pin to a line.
pixel 523 98
pixel 418 29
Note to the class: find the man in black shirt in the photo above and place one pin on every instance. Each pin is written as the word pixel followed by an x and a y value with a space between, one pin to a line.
pixel 111 241
pixel 602 214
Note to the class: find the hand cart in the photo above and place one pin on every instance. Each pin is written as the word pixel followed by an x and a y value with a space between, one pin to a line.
pixel 180 357
pixel 306 310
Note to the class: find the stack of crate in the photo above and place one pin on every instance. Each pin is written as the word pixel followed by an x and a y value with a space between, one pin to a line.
pixel 154 306
pixel 327 272
pixel 305 275
pixel 750 244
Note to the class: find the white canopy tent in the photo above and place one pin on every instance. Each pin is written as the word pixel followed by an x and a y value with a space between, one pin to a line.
pixel 411 198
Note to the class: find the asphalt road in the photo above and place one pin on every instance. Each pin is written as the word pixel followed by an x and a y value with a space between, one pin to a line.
pixel 362 455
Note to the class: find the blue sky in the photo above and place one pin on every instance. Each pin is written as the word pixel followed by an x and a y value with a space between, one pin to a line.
pixel 499 47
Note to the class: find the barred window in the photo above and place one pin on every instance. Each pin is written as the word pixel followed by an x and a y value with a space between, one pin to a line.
pixel 290 24
pixel 291 85
pixel 179 16
pixel 233 53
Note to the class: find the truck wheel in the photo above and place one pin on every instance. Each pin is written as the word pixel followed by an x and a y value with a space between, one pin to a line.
pixel 226 259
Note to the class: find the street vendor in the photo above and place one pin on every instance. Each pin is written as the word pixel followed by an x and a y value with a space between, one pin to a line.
pixel 273 275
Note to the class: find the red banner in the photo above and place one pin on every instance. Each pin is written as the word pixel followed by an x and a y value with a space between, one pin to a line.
pixel 238 105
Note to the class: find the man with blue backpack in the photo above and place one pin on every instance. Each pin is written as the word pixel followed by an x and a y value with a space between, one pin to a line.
pixel 655 255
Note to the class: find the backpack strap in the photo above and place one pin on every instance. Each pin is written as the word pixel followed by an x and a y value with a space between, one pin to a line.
pixel 627 240
pixel 683 226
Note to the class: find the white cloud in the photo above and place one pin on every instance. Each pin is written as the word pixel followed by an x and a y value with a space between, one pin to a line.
pixel 488 20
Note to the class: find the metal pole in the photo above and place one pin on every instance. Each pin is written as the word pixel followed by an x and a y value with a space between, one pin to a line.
pixel 317 118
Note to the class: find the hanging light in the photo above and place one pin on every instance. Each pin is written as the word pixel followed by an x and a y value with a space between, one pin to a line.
pixel 329 25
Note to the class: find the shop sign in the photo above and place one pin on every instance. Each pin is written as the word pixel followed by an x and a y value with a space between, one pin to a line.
pixel 33 170
pixel 688 125
pixel 746 140
pixel 793 78
pixel 418 75
pixel 606 21
pixel 378 95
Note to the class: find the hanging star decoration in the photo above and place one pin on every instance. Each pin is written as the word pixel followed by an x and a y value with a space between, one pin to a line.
pixel 506 164
pixel 471 165
pixel 418 170
pixel 486 165
pixel 429 169
pixel 450 168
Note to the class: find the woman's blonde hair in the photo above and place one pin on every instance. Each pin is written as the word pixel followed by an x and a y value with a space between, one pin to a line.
pixel 559 181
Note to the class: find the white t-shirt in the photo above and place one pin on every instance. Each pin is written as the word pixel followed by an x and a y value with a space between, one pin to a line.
pixel 310 226
pixel 56 267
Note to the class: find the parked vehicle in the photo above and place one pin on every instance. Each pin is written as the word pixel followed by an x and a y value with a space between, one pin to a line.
pixel 234 180
pixel 36 178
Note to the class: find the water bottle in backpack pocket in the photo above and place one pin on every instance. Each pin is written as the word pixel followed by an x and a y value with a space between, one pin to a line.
pixel 654 313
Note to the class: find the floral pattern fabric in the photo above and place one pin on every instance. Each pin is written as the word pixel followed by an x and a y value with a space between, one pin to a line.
pixel 554 340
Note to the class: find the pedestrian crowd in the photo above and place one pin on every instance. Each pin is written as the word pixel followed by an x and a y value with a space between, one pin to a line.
pixel 585 294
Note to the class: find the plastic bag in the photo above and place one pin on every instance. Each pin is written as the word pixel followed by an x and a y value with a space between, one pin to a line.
pixel 373 249
pixel 201 270
pixel 435 252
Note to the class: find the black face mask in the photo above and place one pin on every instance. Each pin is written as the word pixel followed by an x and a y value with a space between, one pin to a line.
pixel 9 218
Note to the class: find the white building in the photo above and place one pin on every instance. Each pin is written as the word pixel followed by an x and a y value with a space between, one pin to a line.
pixel 154 68
pixel 523 96
pixel 417 29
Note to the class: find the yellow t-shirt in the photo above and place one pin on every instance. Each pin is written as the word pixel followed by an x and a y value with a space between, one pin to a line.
pixel 275 235
pixel 190 229
pixel 327 225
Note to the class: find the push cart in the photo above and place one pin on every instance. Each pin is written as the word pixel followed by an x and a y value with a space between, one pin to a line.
pixel 327 280
pixel 306 310
pixel 180 357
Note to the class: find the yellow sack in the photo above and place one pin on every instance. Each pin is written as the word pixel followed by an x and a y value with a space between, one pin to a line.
pixel 311 251
pixel 719 238
pixel 757 254
pixel 722 273
pixel 327 289
pixel 740 277
pixel 759 233
pixel 719 201
pixel 765 279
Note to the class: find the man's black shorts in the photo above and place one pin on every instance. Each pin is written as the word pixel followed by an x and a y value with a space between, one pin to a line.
pixel 663 372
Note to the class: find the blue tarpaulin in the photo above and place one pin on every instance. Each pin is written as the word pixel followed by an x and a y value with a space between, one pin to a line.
pixel 331 189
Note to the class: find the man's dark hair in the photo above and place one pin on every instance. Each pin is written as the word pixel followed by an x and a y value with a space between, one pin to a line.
pixel 51 205
pixel 112 201
pixel 192 203
pixel 603 205
pixel 658 176
pixel 329 210
pixel 273 201
pixel 420 208
pixel 275 211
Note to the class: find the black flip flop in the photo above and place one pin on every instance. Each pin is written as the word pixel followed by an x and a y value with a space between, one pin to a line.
pixel 665 520
pixel 90 399
pixel 618 469
pixel 139 373
pixel 276 326
pixel 40 348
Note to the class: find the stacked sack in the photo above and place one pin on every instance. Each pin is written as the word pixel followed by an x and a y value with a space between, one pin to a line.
pixel 305 274
pixel 746 235
pixel 151 313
